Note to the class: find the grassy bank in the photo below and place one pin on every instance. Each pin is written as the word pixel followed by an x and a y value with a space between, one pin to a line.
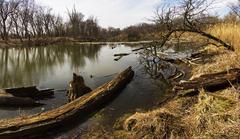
pixel 206 115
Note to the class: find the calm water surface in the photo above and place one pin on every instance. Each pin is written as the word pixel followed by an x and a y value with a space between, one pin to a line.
pixel 52 67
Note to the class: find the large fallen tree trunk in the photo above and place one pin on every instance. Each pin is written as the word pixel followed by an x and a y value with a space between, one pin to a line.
pixel 210 82
pixel 76 110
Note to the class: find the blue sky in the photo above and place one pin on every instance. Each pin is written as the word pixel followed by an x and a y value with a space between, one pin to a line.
pixel 115 13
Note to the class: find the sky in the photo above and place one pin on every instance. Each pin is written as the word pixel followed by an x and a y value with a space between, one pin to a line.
pixel 114 13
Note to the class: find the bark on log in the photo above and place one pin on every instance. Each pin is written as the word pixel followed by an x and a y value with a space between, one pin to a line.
pixel 40 123
pixel 210 82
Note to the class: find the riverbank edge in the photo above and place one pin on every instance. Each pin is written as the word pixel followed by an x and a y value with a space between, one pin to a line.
pixel 202 115
pixel 63 41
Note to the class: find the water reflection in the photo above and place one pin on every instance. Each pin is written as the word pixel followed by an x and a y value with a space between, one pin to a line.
pixel 156 67
pixel 53 67
pixel 26 66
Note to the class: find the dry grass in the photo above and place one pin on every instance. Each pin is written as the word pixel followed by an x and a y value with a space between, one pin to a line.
pixel 207 115
pixel 218 115
pixel 159 123
pixel 229 32
pixel 224 60
pixel 202 116
pixel 221 62
pixel 165 122
pixel 215 115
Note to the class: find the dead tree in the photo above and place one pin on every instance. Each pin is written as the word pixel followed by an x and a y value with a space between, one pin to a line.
pixel 186 16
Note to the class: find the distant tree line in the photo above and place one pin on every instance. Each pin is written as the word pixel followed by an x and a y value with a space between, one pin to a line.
pixel 25 20
pixel 137 32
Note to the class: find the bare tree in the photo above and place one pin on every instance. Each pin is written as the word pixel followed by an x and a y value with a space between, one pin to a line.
pixel 91 29
pixel 59 27
pixel 38 21
pixel 48 21
pixel 236 8
pixel 187 16
pixel 6 9
pixel 25 13
pixel 75 21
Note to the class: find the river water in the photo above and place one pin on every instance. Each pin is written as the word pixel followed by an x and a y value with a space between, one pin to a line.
pixel 52 67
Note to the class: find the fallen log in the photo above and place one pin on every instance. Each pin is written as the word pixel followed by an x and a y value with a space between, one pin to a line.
pixel 30 92
pixel 118 58
pixel 122 54
pixel 39 124
pixel 138 49
pixel 178 74
pixel 210 82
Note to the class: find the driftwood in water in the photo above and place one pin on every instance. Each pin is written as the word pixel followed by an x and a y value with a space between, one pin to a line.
pixel 169 58
pixel 210 82
pixel 30 92
pixel 122 54
pixel 8 100
pixel 76 110
pixel 23 97
pixel 178 74
pixel 138 49
pixel 119 56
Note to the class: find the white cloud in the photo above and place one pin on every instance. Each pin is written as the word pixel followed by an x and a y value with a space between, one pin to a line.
pixel 116 13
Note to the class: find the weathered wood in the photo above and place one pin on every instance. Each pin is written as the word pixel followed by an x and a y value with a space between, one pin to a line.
pixel 210 82
pixel 30 92
pixel 23 91
pixel 75 110
pixel 77 88
pixel 23 97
